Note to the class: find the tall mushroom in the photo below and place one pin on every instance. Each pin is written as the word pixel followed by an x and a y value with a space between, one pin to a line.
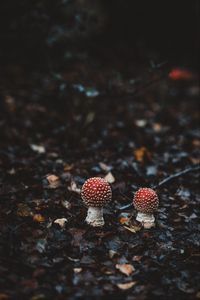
pixel 96 192
pixel 146 202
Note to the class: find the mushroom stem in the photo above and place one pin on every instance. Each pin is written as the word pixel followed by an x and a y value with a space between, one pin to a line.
pixel 95 216
pixel 147 220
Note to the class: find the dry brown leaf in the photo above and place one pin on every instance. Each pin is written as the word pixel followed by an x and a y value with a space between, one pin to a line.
pixel 24 210
pixel 53 181
pixel 10 103
pixel 126 269
pixel 141 153
pixel 4 296
pixel 127 285
pixel 195 160
pixel 137 258
pixel 133 229
pixel 68 167
pixel 157 127
pixel 196 143
pixel 198 295
pixel 38 218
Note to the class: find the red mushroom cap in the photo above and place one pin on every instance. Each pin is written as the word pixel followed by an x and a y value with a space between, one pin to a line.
pixel 146 200
pixel 96 192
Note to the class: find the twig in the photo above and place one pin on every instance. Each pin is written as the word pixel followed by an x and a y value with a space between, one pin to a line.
pixel 166 180
pixel 171 177
pixel 126 206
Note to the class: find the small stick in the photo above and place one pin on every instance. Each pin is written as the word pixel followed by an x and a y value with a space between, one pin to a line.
pixel 171 177
pixel 126 206
pixel 166 180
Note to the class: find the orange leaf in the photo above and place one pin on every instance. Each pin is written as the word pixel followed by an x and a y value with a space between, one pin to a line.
pixel 140 154
pixel 124 220
pixel 38 218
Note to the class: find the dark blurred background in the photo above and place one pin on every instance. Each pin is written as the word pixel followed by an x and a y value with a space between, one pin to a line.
pixel 38 28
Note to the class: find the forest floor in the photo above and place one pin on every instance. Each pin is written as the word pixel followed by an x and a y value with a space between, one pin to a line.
pixel 97 116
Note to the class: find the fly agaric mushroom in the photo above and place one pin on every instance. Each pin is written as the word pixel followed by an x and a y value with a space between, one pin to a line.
pixel 146 202
pixel 96 192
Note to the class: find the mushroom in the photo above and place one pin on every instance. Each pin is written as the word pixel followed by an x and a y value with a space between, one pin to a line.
pixel 146 202
pixel 96 192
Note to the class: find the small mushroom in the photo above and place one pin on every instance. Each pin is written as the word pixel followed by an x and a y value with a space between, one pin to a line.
pixel 146 202
pixel 96 192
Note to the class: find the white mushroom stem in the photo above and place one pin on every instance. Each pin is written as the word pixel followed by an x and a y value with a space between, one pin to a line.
pixel 147 220
pixel 95 216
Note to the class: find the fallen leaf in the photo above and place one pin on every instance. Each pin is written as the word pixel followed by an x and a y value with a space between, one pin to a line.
pixel 133 229
pixel 90 118
pixel 157 127
pixel 141 123
pixel 109 178
pixel 10 103
pixel 66 204
pixel 112 253
pixel 198 295
pixel 3 296
pixel 24 210
pixel 124 220
pixel 53 181
pixel 77 270
pixel 126 269
pixel 137 258
pixel 38 148
pixel 141 153
pixel 195 160
pixel 12 171
pixel 38 297
pixel 73 187
pixel 127 285
pixel 61 222
pixel 38 218
pixel 104 167
pixel 68 167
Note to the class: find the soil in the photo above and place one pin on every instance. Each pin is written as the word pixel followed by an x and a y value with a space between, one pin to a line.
pixel 97 115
